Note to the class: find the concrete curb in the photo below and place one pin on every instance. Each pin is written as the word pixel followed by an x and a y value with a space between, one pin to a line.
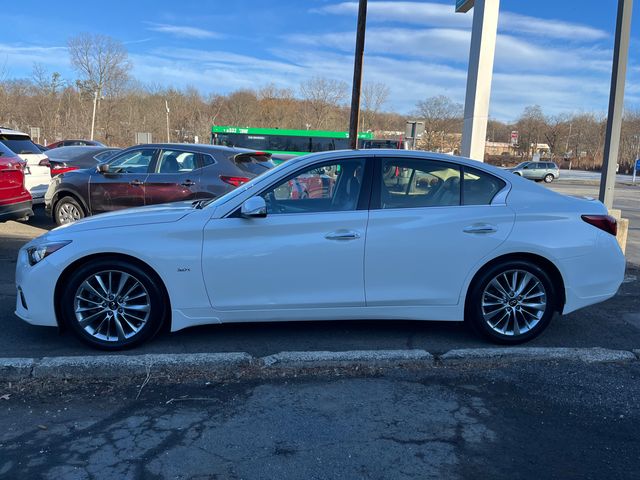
pixel 117 366
pixel 109 366
pixel 16 368
pixel 587 355
pixel 348 358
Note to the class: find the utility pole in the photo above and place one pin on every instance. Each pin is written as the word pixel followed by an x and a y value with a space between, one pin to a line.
pixel 93 117
pixel 166 104
pixel 357 74
pixel 616 102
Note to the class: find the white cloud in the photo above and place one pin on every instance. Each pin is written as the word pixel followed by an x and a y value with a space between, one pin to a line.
pixel 182 31
pixel 444 16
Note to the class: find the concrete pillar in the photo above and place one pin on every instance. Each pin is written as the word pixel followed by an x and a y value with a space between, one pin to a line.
pixel 481 54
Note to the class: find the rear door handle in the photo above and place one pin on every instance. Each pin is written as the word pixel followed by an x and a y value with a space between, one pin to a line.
pixel 342 235
pixel 480 228
pixel 188 183
pixel 136 183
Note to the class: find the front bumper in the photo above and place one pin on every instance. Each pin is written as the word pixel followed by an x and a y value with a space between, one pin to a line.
pixel 35 287
pixel 15 211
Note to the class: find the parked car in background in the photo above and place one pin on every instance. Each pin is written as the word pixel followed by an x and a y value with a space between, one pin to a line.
pixel 65 159
pixel 15 199
pixel 458 240
pixel 545 171
pixel 74 143
pixel 36 175
pixel 152 174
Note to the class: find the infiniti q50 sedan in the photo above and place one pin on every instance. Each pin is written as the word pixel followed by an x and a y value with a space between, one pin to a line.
pixel 391 234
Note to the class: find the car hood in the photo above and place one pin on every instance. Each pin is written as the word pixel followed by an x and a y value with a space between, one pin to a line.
pixel 163 213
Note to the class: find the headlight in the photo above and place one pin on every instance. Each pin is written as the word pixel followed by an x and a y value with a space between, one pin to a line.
pixel 40 252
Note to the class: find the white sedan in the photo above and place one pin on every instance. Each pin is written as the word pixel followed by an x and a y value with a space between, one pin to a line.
pixel 380 234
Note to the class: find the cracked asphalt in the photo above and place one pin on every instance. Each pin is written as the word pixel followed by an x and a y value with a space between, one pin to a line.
pixel 521 420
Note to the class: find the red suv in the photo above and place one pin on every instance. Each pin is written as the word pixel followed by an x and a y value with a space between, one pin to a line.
pixel 15 199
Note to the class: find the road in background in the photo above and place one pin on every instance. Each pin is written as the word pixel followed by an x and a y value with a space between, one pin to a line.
pixel 613 324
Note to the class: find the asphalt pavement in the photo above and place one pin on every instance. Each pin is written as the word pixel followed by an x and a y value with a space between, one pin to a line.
pixel 523 420
pixel 614 324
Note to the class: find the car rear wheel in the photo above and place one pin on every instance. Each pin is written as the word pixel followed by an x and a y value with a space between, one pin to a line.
pixel 113 304
pixel 511 302
pixel 68 210
pixel 548 178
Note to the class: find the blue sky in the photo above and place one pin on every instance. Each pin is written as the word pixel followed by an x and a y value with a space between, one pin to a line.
pixel 549 52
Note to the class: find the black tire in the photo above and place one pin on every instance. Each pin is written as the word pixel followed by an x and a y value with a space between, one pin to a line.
pixel 548 178
pixel 475 316
pixel 155 302
pixel 67 210
pixel 517 174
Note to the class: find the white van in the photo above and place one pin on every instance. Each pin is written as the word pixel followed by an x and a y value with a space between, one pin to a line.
pixel 37 176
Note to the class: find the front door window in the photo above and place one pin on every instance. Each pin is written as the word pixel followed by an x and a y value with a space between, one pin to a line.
pixel 330 187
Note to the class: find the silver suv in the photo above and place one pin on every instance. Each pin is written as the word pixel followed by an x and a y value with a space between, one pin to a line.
pixel 547 171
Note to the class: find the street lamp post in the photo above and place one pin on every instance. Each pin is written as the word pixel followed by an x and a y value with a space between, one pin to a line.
pixel 166 104
pixel 93 117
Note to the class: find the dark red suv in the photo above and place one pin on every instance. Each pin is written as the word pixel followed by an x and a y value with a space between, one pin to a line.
pixel 152 174
pixel 15 199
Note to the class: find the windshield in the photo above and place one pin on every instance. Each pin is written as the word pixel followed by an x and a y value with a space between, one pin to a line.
pixel 522 165
pixel 20 144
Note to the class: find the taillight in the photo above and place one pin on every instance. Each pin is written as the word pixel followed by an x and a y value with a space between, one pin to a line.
pixel 57 168
pixel 235 181
pixel 44 162
pixel 604 222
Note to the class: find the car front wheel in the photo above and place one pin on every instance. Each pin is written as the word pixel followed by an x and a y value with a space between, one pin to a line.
pixel 113 304
pixel 512 302
pixel 548 178
pixel 68 210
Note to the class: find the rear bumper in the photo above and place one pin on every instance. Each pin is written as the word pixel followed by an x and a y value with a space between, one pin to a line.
pixel 16 210
pixel 594 278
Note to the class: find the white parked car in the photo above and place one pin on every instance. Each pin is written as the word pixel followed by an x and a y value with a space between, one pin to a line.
pixel 37 176
pixel 386 234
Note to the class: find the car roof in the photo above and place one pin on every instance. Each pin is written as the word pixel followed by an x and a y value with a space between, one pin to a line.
pixel 196 147
pixel 9 131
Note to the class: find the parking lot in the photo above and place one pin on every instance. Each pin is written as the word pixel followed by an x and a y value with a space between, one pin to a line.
pixel 613 324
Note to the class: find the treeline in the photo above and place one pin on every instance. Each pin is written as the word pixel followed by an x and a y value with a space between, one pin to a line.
pixel 64 107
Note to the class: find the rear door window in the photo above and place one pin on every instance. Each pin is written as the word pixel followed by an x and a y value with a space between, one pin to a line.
pixel 479 188
pixel 20 144
pixel 416 183
pixel 253 163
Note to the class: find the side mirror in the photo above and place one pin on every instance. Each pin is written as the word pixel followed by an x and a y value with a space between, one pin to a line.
pixel 103 168
pixel 254 207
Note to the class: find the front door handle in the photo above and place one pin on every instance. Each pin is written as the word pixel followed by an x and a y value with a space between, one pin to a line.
pixel 480 228
pixel 342 235
pixel 136 183
pixel 188 183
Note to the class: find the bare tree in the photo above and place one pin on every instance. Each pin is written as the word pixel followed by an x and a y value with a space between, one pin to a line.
pixel 442 117
pixel 374 95
pixel 322 96
pixel 101 61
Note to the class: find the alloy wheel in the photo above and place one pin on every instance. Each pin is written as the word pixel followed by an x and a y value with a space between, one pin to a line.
pixel 68 212
pixel 112 305
pixel 514 302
